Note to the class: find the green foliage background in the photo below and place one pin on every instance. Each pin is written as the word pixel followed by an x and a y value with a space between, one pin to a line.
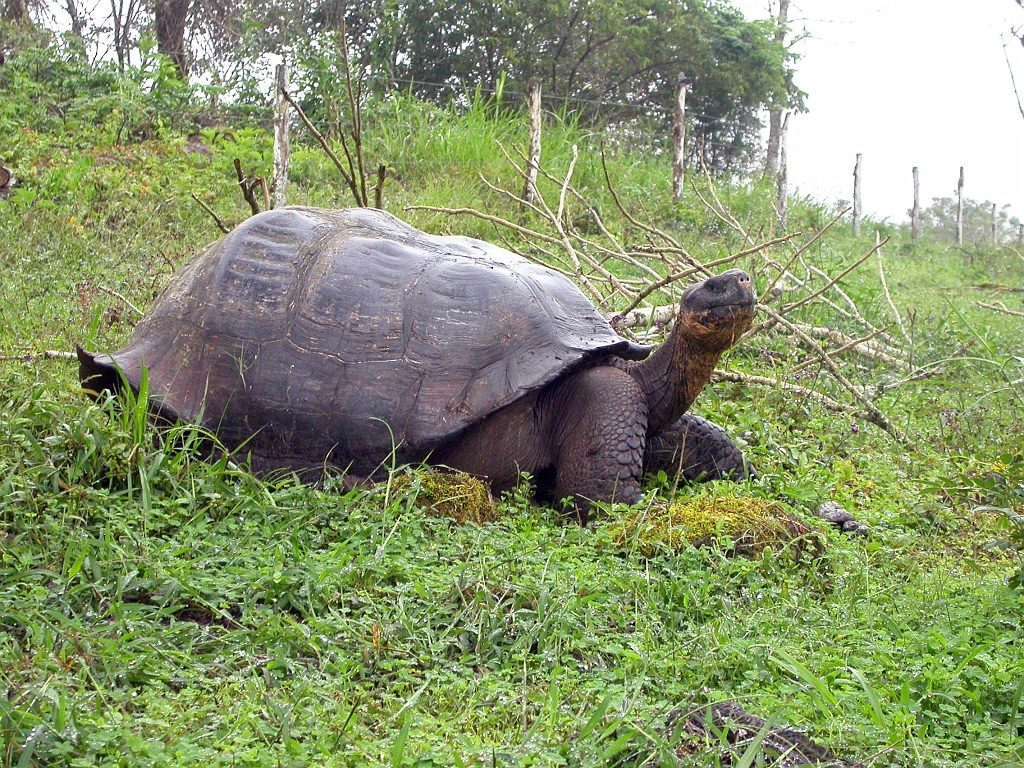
pixel 160 610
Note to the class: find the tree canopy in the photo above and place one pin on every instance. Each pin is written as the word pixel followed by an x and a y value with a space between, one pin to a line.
pixel 606 60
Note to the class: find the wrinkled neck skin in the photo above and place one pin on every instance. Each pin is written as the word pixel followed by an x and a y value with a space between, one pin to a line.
pixel 677 371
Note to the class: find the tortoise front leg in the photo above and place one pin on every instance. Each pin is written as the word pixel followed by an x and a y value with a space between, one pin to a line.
pixel 696 449
pixel 600 433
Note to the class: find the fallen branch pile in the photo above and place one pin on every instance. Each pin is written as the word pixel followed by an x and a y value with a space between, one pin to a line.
pixel 637 284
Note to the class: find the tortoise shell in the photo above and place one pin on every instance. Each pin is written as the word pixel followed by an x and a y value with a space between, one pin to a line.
pixel 312 335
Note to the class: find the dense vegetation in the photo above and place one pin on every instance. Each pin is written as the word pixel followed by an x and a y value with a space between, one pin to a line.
pixel 159 610
pixel 606 61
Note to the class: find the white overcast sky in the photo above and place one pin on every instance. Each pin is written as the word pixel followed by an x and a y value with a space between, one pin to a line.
pixel 905 83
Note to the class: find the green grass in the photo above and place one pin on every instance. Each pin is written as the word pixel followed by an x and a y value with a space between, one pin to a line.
pixel 156 609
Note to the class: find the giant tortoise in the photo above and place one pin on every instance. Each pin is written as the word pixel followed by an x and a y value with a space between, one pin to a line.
pixel 310 338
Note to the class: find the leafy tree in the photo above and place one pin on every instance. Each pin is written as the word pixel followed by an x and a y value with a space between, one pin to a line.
pixel 940 217
pixel 609 60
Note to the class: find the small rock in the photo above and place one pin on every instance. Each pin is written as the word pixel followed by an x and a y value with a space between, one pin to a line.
pixel 832 512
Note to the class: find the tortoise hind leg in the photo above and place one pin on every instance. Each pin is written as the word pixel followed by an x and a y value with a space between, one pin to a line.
pixel 697 449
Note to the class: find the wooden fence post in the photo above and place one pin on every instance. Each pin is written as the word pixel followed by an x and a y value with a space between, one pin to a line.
pixel 281 142
pixel 533 164
pixel 783 180
pixel 679 137
pixel 856 197
pixel 915 213
pixel 960 209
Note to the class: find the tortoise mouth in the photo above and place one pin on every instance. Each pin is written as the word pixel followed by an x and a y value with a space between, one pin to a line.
pixel 731 312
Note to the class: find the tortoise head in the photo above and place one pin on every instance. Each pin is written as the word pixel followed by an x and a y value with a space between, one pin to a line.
pixel 717 311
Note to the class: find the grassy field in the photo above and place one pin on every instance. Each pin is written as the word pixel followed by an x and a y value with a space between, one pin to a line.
pixel 158 610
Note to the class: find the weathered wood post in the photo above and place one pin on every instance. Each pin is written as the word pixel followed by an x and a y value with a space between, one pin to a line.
pixel 915 212
pixel 775 116
pixel 960 209
pixel 679 137
pixel 856 196
pixel 533 163
pixel 281 142
pixel 783 180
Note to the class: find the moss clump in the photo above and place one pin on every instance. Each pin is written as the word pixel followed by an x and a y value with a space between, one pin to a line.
pixel 455 495
pixel 749 524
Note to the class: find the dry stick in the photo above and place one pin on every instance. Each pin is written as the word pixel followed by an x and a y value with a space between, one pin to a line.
pixel 556 220
pixel 799 252
pixel 354 100
pixel 877 417
pixel 496 220
pixel 1000 307
pixel 654 231
pixel 870 349
pixel 209 210
pixel 888 297
pixel 618 251
pixel 31 357
pixel 323 143
pixel 127 303
pixel 723 213
pixel 247 188
pixel 828 402
pixel 851 344
pixel 834 280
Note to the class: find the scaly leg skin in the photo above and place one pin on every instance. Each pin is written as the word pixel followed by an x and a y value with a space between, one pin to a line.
pixel 696 449
pixel 599 444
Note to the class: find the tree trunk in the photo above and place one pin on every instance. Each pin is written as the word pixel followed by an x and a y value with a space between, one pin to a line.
pixel 16 12
pixel 533 167
pixel 170 17
pixel 915 212
pixel 960 209
pixel 77 24
pixel 679 138
pixel 856 197
pixel 782 191
pixel 771 165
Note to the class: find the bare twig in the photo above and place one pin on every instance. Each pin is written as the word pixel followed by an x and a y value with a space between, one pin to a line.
pixel 248 187
pixel 851 344
pixel 345 174
pixel 1000 307
pixel 829 402
pixel 117 295
pixel 32 357
pixel 888 296
pixel 220 224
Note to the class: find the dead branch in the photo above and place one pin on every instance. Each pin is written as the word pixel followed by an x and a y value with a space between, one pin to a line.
pixel 1000 307
pixel 248 187
pixel 125 301
pixel 32 357
pixel 852 344
pixel 584 256
pixel 885 292
pixel 865 347
pixel 832 281
pixel 348 177
pixel 209 210
pixel 870 415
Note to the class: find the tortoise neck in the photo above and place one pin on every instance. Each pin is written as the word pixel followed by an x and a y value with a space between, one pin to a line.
pixel 673 376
